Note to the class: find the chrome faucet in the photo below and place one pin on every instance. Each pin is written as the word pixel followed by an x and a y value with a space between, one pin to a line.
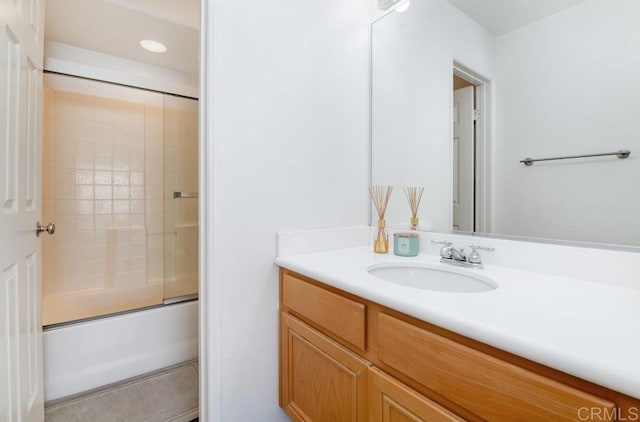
pixel 458 254
pixel 451 255
pixel 448 251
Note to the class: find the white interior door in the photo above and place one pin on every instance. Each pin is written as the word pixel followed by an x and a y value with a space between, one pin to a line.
pixel 463 159
pixel 21 57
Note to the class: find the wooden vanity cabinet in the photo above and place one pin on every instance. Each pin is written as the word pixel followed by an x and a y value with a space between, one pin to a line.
pixel 343 358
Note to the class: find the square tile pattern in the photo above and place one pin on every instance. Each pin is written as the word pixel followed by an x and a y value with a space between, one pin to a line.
pixel 110 167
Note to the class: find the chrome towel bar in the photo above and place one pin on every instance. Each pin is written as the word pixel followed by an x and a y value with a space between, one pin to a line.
pixel 181 195
pixel 623 153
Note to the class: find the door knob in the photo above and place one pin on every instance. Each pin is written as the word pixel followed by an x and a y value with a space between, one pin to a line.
pixel 49 228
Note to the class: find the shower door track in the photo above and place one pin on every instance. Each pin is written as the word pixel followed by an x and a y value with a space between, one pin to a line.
pixel 180 299
pixel 167 302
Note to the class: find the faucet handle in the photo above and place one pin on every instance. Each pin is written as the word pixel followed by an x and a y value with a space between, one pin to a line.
pixel 474 256
pixel 445 251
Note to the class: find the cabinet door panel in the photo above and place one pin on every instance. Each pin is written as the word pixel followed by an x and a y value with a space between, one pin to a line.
pixel 392 401
pixel 394 412
pixel 320 379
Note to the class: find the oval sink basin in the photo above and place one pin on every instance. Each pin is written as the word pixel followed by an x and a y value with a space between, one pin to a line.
pixel 429 277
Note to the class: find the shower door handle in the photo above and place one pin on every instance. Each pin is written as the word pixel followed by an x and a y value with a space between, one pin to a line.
pixel 49 228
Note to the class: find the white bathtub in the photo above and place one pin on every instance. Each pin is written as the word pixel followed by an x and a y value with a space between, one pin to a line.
pixel 87 355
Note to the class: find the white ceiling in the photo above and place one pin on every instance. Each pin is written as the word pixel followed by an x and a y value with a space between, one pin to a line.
pixel 116 27
pixel 183 12
pixel 502 16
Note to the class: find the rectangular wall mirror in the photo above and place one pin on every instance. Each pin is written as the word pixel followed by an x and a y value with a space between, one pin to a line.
pixel 463 91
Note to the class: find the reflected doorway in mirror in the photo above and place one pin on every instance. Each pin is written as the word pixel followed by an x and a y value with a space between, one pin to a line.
pixel 463 155
pixel 469 201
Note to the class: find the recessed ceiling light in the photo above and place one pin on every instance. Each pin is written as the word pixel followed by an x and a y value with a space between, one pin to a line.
pixel 154 46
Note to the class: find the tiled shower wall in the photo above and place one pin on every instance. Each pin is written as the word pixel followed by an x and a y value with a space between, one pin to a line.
pixel 103 188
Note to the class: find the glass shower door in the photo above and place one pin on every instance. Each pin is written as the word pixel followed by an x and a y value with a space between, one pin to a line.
pixel 102 186
pixel 120 180
pixel 180 198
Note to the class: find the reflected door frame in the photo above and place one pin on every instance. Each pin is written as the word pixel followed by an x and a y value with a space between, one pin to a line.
pixel 463 158
pixel 482 175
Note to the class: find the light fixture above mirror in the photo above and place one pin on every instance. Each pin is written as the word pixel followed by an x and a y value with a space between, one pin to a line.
pixel 399 6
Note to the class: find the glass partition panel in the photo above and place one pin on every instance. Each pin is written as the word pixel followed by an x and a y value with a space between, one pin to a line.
pixel 120 181
pixel 180 198
pixel 102 187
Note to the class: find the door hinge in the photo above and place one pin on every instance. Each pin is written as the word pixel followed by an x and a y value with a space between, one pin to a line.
pixel 476 114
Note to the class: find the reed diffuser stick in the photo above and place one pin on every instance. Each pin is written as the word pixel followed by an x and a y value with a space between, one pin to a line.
pixel 380 197
pixel 414 195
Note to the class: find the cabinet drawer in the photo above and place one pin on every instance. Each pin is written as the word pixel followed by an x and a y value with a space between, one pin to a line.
pixel 343 317
pixel 486 386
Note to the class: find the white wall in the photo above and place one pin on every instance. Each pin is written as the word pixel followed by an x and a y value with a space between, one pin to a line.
pixel 577 73
pixel 287 115
pixel 412 98
pixel 71 60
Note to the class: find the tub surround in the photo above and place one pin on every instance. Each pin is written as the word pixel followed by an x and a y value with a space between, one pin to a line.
pixel 83 356
pixel 570 308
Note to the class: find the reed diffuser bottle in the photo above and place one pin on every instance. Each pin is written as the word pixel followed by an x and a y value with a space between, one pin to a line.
pixel 414 195
pixel 380 197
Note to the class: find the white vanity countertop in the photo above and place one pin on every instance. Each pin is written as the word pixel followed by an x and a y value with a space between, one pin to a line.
pixel 590 330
